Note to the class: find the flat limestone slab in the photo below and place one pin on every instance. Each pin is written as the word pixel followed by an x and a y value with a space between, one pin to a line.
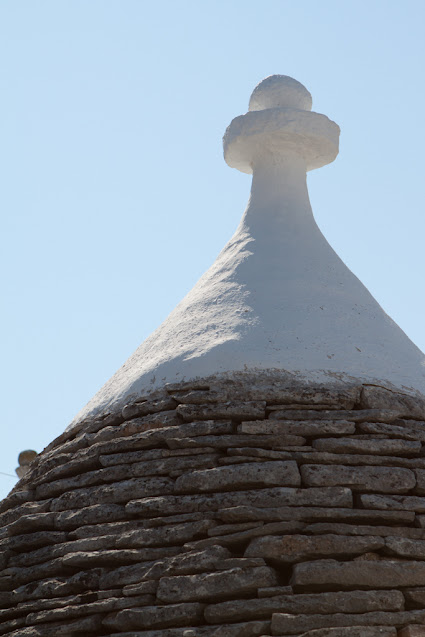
pixel 412 631
pixel 250 629
pixel 375 479
pixel 84 626
pixel 394 431
pixel 406 548
pixel 285 624
pixel 332 514
pixel 364 529
pixel 155 617
pixel 393 502
pixel 333 602
pixel 278 496
pixel 207 586
pixel 243 536
pixel 353 631
pixel 308 455
pixel 380 447
pixel 297 428
pixel 112 493
pixel 363 574
pixel 296 548
pixel 356 415
pixel 242 410
pixel 163 536
pixel 240 440
pixel 249 475
pixel 70 611
pixel 415 597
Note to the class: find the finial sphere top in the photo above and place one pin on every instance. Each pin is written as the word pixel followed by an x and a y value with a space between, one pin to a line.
pixel 280 91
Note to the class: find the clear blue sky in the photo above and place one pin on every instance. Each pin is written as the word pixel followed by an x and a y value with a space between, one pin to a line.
pixel 114 195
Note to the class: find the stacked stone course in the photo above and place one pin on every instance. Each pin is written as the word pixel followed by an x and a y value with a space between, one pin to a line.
pixel 240 506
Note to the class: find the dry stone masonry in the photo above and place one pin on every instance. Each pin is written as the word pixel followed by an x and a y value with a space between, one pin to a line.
pixel 279 494
pixel 245 508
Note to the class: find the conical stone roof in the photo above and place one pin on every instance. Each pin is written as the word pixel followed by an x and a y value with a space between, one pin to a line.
pixel 277 296
pixel 257 468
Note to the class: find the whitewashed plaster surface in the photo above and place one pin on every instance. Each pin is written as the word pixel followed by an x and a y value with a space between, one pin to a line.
pixel 278 296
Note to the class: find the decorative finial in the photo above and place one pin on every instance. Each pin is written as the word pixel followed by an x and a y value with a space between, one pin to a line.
pixel 279 120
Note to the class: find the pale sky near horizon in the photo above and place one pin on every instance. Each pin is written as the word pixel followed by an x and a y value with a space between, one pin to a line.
pixel 114 195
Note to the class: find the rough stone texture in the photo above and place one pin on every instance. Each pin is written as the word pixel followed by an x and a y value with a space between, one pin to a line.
pixel 381 447
pixel 247 629
pixel 405 548
pixel 353 631
pixel 155 617
pixel 412 631
pixel 361 415
pixel 273 591
pixel 298 548
pixel 415 597
pixel 420 481
pixel 351 602
pixel 382 574
pixel 393 502
pixel 243 476
pixel 223 526
pixel 402 430
pixel 235 582
pixel 382 398
pixel 361 529
pixel 284 496
pixel 117 492
pixel 242 410
pixel 369 479
pixel 285 624
pixel 241 512
pixel 86 626
pixel 297 428
pixel 143 408
pixel 164 536
pixel 243 535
